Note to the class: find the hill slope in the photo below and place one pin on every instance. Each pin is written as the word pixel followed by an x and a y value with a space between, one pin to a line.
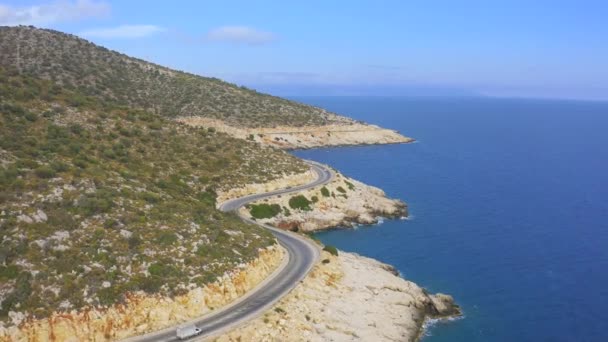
pixel 121 80
pixel 103 194
pixel 98 201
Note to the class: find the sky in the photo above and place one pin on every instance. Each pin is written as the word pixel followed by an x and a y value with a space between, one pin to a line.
pixel 510 48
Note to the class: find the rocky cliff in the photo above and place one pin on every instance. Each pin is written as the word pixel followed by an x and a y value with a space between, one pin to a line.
pixel 143 313
pixel 346 298
pixel 289 137
pixel 344 202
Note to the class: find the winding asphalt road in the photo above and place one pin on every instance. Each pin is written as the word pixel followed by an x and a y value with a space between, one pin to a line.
pixel 302 253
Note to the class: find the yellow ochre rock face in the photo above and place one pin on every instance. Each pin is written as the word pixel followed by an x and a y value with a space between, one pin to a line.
pixel 146 313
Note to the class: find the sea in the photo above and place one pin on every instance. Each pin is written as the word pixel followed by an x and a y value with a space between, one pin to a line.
pixel 508 203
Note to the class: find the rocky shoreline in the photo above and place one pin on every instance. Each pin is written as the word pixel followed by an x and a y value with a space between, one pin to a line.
pixel 342 203
pixel 348 298
pixel 347 133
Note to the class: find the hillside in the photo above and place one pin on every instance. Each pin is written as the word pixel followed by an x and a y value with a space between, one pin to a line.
pixel 118 79
pixel 98 201
pixel 108 190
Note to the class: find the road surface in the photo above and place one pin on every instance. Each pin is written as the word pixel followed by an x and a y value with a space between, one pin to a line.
pixel 302 253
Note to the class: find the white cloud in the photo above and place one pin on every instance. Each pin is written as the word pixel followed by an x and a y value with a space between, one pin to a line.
pixel 240 35
pixel 123 31
pixel 59 11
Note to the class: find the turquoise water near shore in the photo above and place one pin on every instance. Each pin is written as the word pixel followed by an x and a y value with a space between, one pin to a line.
pixel 509 210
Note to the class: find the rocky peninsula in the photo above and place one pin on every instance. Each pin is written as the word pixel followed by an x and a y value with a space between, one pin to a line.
pixel 349 298
pixel 346 297
pixel 342 133
pixel 344 202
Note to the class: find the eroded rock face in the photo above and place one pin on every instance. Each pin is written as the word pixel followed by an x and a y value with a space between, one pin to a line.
pixel 344 202
pixel 145 313
pixel 346 298
pixel 348 132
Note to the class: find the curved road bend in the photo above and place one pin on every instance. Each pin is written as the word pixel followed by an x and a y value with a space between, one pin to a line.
pixel 302 252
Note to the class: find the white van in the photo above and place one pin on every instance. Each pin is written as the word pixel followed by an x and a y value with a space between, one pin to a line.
pixel 187 331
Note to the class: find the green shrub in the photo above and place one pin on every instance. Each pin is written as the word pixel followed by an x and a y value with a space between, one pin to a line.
pixel 45 171
pixel 167 238
pixel 341 189
pixel 264 210
pixel 80 163
pixel 76 129
pixel 331 249
pixel 9 272
pixel 59 166
pixel 98 234
pixel 48 114
pixel 134 241
pixel 151 284
pixel 162 270
pixel 8 176
pixel 156 125
pixel 109 153
pixel 21 291
pixel 208 197
pixel 110 223
pixel 97 203
pixel 150 197
pixel 107 296
pixel 12 109
pixel 29 116
pixel 299 202
pixel 324 192
pixel 350 185
pixel 314 199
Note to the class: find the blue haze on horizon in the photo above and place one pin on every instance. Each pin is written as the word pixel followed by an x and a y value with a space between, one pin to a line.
pixel 515 48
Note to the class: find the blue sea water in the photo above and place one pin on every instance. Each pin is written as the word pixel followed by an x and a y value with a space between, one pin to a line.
pixel 509 206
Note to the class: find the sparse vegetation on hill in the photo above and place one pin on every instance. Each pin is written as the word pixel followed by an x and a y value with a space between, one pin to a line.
pixel 98 200
pixel 117 79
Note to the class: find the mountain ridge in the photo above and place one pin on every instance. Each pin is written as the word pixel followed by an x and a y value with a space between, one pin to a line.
pixel 74 62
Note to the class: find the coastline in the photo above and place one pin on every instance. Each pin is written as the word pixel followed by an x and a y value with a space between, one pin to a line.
pixel 346 133
pixel 349 297
pixel 342 203
pixel 409 141
pixel 360 204
pixel 430 322
pixel 141 313
pixel 279 324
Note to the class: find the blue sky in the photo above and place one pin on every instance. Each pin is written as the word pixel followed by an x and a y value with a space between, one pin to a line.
pixel 501 48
